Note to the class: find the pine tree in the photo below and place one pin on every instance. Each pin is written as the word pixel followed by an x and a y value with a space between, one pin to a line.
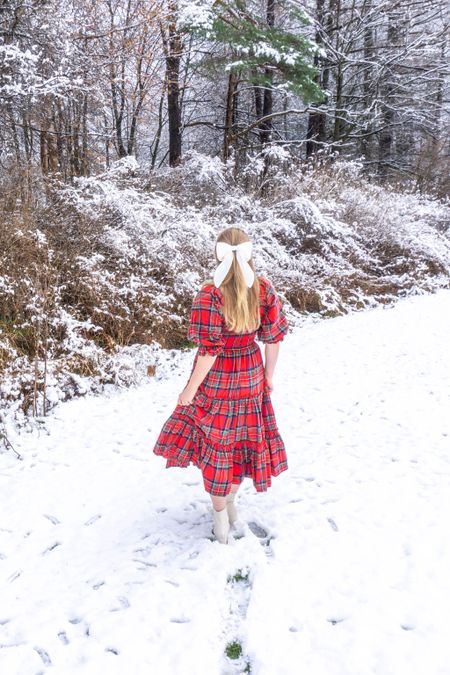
pixel 262 49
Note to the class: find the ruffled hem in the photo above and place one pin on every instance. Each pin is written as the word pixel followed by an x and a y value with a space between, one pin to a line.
pixel 221 469
pixel 227 454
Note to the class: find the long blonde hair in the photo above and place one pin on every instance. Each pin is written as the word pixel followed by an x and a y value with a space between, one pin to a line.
pixel 241 304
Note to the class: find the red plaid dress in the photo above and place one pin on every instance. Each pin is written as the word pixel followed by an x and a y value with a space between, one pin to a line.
pixel 229 430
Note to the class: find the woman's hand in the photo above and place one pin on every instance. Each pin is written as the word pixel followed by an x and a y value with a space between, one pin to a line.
pixel 269 383
pixel 202 367
pixel 187 395
pixel 271 354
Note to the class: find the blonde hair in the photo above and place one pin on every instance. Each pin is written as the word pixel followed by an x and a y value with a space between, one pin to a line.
pixel 241 303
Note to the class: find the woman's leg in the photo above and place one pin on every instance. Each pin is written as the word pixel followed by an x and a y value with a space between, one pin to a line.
pixel 224 512
pixel 231 508
pixel 221 522
pixel 219 503
pixel 221 510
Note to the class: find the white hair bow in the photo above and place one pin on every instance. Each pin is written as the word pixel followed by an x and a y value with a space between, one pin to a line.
pixel 224 252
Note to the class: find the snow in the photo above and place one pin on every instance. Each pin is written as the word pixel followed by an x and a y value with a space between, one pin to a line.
pixel 105 557
pixel 196 13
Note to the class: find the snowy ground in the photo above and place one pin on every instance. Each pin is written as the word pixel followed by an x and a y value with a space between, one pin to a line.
pixel 105 558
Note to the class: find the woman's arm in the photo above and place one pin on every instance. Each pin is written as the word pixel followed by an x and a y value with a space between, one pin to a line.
pixel 271 355
pixel 202 368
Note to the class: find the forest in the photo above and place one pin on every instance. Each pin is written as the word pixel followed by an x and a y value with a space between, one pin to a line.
pixel 84 83
pixel 132 131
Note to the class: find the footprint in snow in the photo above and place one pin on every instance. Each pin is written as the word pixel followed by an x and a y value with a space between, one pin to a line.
pixel 179 620
pixel 333 524
pixel 145 563
pixel 124 604
pixel 93 519
pixel 264 537
pixel 44 656
pixel 63 637
pixel 113 650
pixel 145 551
pixel 14 575
pixel 51 548
pixel 257 530
pixel 334 620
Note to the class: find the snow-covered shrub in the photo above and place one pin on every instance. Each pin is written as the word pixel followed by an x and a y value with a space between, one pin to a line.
pixel 101 275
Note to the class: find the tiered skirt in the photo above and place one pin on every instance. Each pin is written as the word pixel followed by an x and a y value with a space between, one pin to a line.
pixel 228 431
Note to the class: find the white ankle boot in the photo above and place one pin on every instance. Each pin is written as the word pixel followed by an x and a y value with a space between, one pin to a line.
pixel 231 508
pixel 221 525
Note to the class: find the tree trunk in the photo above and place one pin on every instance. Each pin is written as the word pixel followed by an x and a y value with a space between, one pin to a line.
pixel 338 121
pixel 258 101
pixel 230 113
pixel 316 120
pixel 85 159
pixel 367 140
pixel 49 149
pixel 334 28
pixel 155 143
pixel 385 138
pixel 173 59
pixel 117 99
pixel 265 129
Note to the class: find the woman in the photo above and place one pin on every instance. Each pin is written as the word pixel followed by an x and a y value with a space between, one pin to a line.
pixel 224 421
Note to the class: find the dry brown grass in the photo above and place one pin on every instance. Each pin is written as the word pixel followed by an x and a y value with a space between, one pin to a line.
pixel 304 300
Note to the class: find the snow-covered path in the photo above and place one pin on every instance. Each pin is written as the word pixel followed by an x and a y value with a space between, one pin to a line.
pixel 105 561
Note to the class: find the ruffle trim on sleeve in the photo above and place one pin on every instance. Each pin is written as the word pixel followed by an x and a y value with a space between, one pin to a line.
pixel 274 325
pixel 212 350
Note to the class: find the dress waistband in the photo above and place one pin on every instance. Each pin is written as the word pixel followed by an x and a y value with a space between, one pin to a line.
pixel 239 342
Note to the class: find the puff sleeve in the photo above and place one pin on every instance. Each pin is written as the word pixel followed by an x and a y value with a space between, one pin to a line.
pixel 205 325
pixel 274 325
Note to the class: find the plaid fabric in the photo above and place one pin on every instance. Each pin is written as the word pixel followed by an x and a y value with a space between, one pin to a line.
pixel 230 430
pixel 207 326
